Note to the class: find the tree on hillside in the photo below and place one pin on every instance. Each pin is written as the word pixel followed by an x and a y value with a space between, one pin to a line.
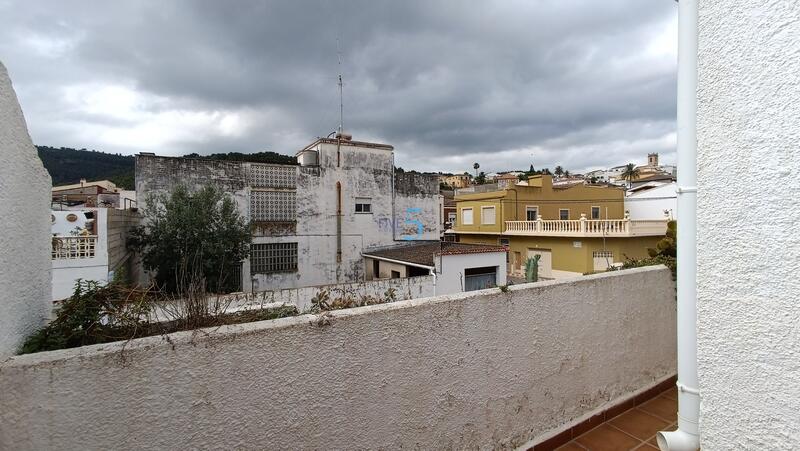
pixel 559 171
pixel 481 178
pixel 192 233
pixel 630 173
pixel 566 174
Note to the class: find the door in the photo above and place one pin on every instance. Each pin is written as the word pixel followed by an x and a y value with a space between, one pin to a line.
pixel 602 260
pixel 480 278
pixel 545 262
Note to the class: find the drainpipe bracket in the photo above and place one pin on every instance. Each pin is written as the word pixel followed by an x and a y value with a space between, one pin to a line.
pixel 687 389
pixel 686 189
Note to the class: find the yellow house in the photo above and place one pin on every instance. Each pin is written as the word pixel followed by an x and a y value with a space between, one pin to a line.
pixel 575 229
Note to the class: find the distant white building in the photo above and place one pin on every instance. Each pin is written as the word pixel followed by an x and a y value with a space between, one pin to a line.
pixel 89 244
pixel 653 200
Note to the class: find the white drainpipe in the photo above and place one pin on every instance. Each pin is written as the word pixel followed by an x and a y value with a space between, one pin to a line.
pixel 687 437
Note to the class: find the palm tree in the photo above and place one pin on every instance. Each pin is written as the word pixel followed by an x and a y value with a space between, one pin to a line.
pixel 559 171
pixel 630 173
pixel 476 166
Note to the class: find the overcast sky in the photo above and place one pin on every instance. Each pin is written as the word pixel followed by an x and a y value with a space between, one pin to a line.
pixel 583 84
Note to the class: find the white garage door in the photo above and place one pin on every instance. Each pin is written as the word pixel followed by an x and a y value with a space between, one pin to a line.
pixel 545 262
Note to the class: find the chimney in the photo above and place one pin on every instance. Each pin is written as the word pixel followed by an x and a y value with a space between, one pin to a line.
pixel 83 182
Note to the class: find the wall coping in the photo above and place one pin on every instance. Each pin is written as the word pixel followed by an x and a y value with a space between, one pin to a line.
pixel 197 336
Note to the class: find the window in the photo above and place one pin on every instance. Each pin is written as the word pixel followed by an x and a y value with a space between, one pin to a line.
pixel 595 212
pixel 395 274
pixel 466 216
pixel 273 257
pixel 363 205
pixel 531 213
pixel 451 217
pixel 563 214
pixel 487 215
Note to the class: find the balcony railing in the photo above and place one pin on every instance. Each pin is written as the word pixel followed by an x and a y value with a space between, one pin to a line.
pixel 588 227
pixel 73 247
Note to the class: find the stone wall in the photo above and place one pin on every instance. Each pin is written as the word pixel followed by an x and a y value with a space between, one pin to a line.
pixel 25 242
pixel 747 241
pixel 479 370
pixel 119 223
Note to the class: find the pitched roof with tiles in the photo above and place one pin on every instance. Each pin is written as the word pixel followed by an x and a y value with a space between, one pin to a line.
pixel 423 253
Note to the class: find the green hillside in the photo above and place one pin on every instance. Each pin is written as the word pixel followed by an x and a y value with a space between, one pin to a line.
pixel 67 165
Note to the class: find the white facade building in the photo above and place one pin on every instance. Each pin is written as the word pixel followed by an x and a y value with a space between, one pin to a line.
pixel 90 244
pixel 657 201
pixel 311 221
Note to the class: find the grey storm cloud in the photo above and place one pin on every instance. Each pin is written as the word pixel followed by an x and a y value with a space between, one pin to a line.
pixel 505 83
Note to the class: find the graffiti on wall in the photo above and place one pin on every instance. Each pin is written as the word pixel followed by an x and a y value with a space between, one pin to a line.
pixel 412 225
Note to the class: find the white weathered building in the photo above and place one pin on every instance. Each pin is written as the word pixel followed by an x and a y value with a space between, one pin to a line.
pixel 310 221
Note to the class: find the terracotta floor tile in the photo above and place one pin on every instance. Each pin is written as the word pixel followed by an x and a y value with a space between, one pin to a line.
pixel 639 424
pixel 571 446
pixel 646 447
pixel 607 438
pixel 662 407
pixel 672 393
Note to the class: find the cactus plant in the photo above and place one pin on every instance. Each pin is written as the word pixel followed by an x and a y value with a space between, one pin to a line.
pixel 532 268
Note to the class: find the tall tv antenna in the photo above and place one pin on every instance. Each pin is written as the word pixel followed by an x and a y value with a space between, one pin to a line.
pixel 341 102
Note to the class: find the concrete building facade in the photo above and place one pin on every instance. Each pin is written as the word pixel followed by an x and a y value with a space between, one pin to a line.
pixel 575 229
pixel 310 221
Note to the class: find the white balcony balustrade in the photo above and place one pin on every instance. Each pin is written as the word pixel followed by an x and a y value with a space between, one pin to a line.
pixel 74 247
pixel 588 227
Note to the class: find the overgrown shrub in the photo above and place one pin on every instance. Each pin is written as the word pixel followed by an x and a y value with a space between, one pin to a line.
pixel 669 262
pixel 101 314
pixel 202 229
pixel 93 314
pixel 665 253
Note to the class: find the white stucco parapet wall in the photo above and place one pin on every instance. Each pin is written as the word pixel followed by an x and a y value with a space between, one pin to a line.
pixel 486 369
pixel 25 241
pixel 748 244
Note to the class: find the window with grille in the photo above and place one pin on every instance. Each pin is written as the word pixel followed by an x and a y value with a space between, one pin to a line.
pixel 363 205
pixel 273 206
pixel 273 257
pixel 563 214
pixel 595 212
